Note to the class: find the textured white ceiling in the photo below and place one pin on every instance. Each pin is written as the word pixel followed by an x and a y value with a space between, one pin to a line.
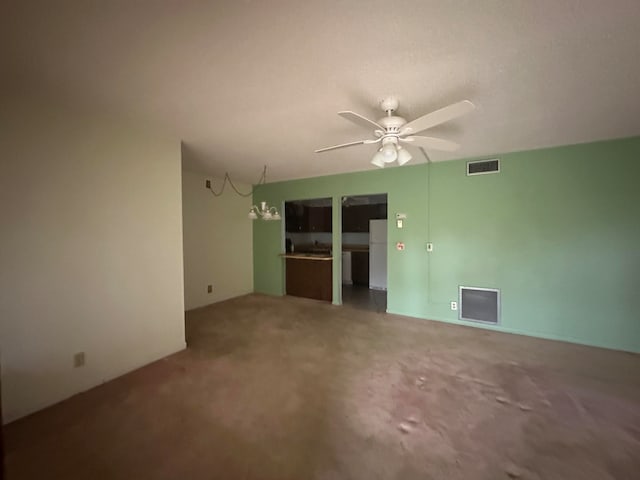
pixel 248 83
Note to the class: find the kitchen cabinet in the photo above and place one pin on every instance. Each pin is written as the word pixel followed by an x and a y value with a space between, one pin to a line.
pixel 293 216
pixel 360 268
pixel 318 219
pixel 309 278
pixel 300 218
pixel 355 219
pixel 379 211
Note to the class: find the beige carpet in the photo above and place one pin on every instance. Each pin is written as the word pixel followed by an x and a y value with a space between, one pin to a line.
pixel 285 388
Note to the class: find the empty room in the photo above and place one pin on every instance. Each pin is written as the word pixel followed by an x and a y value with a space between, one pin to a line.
pixel 332 240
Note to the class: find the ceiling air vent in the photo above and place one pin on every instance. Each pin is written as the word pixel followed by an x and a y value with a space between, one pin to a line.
pixel 480 304
pixel 481 167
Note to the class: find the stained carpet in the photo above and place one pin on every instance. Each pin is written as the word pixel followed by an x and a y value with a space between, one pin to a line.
pixel 286 388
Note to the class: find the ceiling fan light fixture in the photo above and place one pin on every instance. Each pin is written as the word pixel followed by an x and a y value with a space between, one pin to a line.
pixel 403 156
pixel 389 152
pixel 378 160
pixel 392 129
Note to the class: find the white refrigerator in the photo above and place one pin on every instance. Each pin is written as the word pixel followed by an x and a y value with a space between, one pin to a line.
pixel 378 254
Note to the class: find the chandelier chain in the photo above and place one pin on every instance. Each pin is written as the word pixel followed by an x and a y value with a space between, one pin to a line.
pixel 227 178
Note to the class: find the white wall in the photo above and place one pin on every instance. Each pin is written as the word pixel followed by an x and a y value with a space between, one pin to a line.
pixel 218 241
pixel 90 251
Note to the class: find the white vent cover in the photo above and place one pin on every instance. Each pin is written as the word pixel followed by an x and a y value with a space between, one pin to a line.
pixel 479 304
pixel 482 167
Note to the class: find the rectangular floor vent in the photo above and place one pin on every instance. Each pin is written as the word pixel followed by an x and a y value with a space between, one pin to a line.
pixel 480 304
pixel 481 167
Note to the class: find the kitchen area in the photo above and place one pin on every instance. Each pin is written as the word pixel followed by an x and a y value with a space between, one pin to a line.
pixel 309 253
pixel 308 249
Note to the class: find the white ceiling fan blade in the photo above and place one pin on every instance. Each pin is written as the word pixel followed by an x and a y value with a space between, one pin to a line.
pixel 350 144
pixel 432 119
pixel 432 143
pixel 360 120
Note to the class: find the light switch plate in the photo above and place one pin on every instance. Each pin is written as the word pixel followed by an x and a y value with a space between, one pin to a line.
pixel 79 360
pixel 429 247
pixel 399 223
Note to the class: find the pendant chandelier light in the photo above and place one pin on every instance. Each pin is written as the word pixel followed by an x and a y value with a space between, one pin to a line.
pixel 264 211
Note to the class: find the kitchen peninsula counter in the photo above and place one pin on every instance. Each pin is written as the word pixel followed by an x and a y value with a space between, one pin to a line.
pixel 307 256
pixel 309 275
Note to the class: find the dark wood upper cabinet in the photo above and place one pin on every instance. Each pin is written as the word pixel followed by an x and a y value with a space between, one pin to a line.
pixel 289 218
pixel 356 217
pixel 380 211
pixel 353 219
pixel 300 218
pixel 294 217
pixel 318 219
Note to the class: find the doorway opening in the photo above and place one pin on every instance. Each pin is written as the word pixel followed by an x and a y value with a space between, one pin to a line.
pixel 308 249
pixel 364 252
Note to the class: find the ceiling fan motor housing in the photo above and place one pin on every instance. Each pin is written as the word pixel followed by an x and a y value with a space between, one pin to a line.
pixel 392 124
pixel 389 104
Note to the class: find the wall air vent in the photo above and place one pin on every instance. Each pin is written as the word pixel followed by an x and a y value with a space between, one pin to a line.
pixel 482 167
pixel 479 304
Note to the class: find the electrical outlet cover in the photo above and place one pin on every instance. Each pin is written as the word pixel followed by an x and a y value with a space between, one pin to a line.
pixel 78 359
pixel 454 305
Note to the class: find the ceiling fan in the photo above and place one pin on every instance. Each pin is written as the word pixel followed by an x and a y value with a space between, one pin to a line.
pixel 392 131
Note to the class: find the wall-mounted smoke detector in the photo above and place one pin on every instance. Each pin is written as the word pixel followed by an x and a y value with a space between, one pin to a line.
pixel 482 167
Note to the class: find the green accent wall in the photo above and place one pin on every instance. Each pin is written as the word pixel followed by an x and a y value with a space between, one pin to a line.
pixel 557 231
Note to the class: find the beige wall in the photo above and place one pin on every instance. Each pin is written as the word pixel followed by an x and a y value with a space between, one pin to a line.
pixel 218 248
pixel 90 252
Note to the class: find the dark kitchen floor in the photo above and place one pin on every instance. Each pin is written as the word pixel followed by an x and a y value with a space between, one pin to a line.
pixel 364 298
pixel 285 388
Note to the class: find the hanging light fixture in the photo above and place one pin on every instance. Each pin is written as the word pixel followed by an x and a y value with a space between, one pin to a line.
pixel 403 156
pixel 390 152
pixel 264 212
pixel 378 159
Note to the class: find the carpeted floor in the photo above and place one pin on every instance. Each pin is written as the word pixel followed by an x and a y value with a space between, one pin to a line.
pixel 286 388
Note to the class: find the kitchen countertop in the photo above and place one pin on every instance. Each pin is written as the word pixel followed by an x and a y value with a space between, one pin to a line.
pixel 307 256
pixel 355 248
